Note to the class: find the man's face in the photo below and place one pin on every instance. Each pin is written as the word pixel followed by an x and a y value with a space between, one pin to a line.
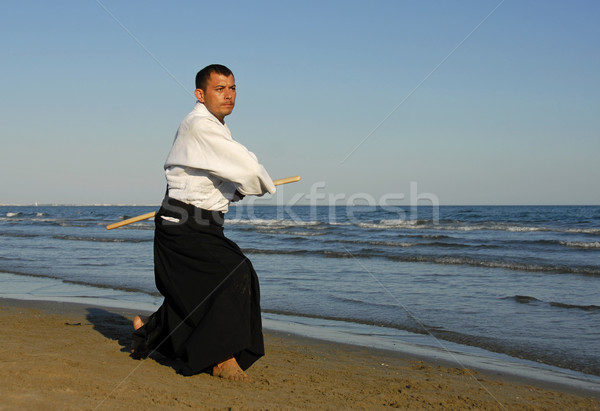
pixel 219 97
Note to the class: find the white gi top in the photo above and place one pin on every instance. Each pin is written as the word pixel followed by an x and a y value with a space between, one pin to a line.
pixel 206 165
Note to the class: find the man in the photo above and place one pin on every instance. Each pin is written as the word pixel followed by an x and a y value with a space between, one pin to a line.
pixel 210 318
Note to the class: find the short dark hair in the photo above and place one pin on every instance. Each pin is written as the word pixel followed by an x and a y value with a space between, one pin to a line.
pixel 204 74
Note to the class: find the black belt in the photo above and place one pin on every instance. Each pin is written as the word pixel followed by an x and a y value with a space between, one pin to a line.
pixel 183 211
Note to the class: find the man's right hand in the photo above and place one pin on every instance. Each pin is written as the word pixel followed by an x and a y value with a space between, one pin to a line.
pixel 237 196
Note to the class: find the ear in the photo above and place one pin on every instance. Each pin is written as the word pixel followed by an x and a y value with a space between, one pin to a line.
pixel 199 93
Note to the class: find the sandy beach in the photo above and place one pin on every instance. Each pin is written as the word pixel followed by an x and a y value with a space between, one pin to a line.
pixel 69 356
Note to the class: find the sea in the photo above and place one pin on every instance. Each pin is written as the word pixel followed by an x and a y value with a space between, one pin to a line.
pixel 509 283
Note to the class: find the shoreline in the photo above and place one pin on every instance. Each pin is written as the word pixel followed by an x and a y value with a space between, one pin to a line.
pixel 77 356
pixel 51 294
pixel 430 349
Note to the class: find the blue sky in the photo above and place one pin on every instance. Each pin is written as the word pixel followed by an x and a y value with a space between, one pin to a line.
pixel 471 102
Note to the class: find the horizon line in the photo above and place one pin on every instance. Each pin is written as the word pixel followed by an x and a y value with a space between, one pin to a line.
pixel 298 205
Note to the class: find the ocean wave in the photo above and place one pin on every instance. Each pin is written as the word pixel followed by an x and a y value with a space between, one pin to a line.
pixel 139 226
pixel 461 260
pixel 382 243
pixel 526 229
pixel 354 320
pixel 13 214
pixel 387 224
pixel 101 239
pixel 18 235
pixel 290 232
pixel 362 302
pixel 507 265
pixel 432 236
pixel 582 244
pixel 402 244
pixel 525 299
pixel 274 223
pixel 455 225
pixel 575 306
pixel 283 252
pixel 490 227
pixel 22 217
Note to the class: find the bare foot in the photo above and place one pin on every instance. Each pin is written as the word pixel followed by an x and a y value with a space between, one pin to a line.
pixel 230 370
pixel 139 321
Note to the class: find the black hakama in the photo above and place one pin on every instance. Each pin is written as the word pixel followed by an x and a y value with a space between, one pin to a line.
pixel 211 308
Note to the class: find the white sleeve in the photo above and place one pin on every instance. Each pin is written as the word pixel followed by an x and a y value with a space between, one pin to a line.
pixel 203 144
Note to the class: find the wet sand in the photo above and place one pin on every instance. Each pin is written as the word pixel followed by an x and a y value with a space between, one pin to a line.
pixel 72 356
